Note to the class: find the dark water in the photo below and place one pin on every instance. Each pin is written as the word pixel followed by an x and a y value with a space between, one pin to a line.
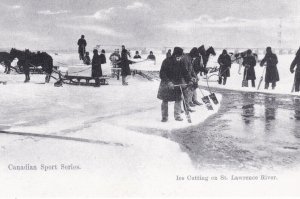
pixel 250 131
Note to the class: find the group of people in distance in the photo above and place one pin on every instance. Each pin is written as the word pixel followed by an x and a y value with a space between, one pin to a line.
pixel 249 61
pixel 179 72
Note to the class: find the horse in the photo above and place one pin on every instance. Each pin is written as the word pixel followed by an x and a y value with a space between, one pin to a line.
pixel 205 54
pixel 35 59
pixel 6 59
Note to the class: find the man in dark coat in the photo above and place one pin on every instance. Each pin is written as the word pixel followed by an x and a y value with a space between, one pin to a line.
pixel 81 47
pixel 272 75
pixel 26 66
pixel 249 64
pixel 87 59
pixel 137 56
pixel 96 67
pixel 169 54
pixel 225 63
pixel 191 91
pixel 102 57
pixel 296 62
pixel 151 56
pixel 125 69
pixel 172 73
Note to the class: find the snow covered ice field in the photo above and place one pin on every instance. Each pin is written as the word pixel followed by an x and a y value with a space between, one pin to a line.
pixel 121 120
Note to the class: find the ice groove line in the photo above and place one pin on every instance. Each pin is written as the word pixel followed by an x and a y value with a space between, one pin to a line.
pixel 63 138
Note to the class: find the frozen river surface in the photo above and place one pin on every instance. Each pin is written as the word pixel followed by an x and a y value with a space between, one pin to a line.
pixel 251 131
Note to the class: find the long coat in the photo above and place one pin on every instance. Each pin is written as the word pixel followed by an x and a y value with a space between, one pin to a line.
pixel 296 62
pixel 225 63
pixel 249 63
pixel 272 74
pixel 96 66
pixel 81 45
pixel 171 71
pixel 125 69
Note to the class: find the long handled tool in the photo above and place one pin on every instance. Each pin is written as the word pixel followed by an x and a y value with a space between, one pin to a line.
pixel 261 78
pixel 293 87
pixel 206 100
pixel 186 111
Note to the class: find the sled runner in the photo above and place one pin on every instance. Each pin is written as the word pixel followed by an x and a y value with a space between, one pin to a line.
pixel 77 80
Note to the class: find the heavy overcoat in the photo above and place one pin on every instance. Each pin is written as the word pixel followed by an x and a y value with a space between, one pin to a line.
pixel 125 69
pixel 96 66
pixel 171 71
pixel 249 62
pixel 272 74
pixel 225 63
pixel 296 63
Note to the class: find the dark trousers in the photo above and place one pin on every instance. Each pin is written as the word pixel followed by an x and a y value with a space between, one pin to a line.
pixel 273 85
pixel 27 77
pixel 297 85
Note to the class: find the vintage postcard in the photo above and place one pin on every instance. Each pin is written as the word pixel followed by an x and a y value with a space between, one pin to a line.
pixel 140 98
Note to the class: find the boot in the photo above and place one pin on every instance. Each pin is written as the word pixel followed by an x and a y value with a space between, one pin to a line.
pixel 178 119
pixel 164 120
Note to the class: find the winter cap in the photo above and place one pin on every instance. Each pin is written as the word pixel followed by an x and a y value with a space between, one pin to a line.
pixel 224 51
pixel 249 51
pixel 268 49
pixel 177 51
pixel 95 51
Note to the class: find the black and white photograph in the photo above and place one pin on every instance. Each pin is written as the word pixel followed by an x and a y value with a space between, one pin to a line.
pixel 140 98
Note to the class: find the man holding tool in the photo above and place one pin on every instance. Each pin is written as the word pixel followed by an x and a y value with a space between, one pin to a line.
pixel 171 74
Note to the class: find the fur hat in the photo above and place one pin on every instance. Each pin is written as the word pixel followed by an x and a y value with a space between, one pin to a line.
pixel 177 51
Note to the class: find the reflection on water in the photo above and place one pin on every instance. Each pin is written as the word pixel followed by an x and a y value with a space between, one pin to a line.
pixel 297 109
pixel 248 107
pixel 250 130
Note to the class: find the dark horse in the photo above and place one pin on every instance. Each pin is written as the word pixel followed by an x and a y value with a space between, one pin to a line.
pixel 6 59
pixel 35 59
pixel 205 54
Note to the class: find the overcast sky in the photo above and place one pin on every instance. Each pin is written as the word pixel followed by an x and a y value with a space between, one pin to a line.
pixel 58 24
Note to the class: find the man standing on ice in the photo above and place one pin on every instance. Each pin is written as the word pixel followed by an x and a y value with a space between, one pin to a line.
pixel 81 47
pixel 249 72
pixel 26 66
pixel 187 63
pixel 96 67
pixel 296 62
pixel 225 63
pixel 115 59
pixel 272 75
pixel 172 73
pixel 125 69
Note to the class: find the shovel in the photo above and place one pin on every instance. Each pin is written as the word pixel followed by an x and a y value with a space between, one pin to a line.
pixel 212 96
pixel 206 100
